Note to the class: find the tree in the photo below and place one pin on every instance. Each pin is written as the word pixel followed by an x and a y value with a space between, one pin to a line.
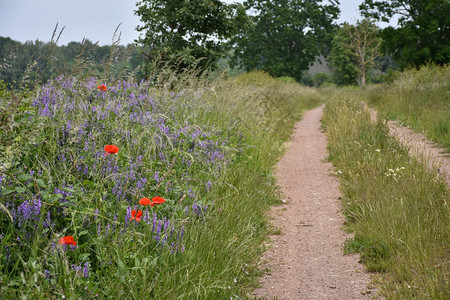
pixel 36 62
pixel 342 59
pixel 423 33
pixel 286 35
pixel 365 44
pixel 320 78
pixel 184 33
pixel 355 49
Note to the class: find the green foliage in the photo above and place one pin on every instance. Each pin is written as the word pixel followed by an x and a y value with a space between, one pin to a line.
pixel 307 80
pixel 395 205
pixel 286 79
pixel 207 146
pixel 286 36
pixel 374 254
pixel 423 33
pixel 36 62
pixel 359 46
pixel 342 59
pixel 183 34
pixel 419 99
pixel 320 78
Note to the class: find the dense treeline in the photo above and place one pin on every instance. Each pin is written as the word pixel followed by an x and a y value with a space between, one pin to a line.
pixel 285 37
pixel 37 61
pixel 281 37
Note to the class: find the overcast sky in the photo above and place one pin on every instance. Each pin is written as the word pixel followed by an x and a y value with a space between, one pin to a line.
pixel 96 20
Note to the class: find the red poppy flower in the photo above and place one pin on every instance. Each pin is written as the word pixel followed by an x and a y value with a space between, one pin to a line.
pixel 67 240
pixel 144 201
pixel 157 200
pixel 111 149
pixel 102 88
pixel 136 215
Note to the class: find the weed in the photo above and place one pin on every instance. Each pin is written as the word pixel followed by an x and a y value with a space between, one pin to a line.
pixel 396 206
pixel 78 155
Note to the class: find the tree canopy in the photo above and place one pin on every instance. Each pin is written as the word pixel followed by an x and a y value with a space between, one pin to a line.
pixel 286 35
pixel 423 32
pixel 38 62
pixel 185 33
pixel 342 59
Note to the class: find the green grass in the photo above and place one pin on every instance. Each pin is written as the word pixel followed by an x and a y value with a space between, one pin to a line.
pixel 419 99
pixel 176 137
pixel 396 207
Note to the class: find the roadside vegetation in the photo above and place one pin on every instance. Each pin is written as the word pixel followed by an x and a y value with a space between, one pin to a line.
pixel 419 99
pixel 136 172
pixel 396 207
pixel 79 156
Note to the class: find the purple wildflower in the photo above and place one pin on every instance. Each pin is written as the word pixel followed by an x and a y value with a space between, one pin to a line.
pixel 86 269
pixel 47 274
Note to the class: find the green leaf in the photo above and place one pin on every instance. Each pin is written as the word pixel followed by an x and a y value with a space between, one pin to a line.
pixel 84 256
pixel 83 232
pixel 137 263
pixel 24 177
pixel 45 195
pixel 41 183
pixel 120 264
pixel 20 189
pixel 7 192
pixel 6 211
pixel 88 184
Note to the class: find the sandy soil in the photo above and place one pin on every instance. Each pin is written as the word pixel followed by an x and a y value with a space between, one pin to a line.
pixel 420 147
pixel 306 260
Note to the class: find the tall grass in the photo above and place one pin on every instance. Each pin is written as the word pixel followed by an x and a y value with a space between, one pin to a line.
pixel 396 207
pixel 419 99
pixel 206 147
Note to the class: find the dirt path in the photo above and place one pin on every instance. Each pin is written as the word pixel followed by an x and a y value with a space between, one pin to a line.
pixel 419 146
pixel 306 261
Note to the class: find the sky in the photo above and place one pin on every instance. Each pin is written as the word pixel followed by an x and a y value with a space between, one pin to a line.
pixel 96 20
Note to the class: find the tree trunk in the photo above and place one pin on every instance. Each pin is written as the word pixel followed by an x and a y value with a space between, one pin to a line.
pixel 362 79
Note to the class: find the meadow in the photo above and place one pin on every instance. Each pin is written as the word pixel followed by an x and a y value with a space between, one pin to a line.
pixel 418 99
pixel 395 206
pixel 116 188
pixel 112 187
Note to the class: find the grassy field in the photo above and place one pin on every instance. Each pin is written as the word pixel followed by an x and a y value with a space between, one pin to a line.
pixel 396 207
pixel 74 221
pixel 419 99
pixel 80 155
